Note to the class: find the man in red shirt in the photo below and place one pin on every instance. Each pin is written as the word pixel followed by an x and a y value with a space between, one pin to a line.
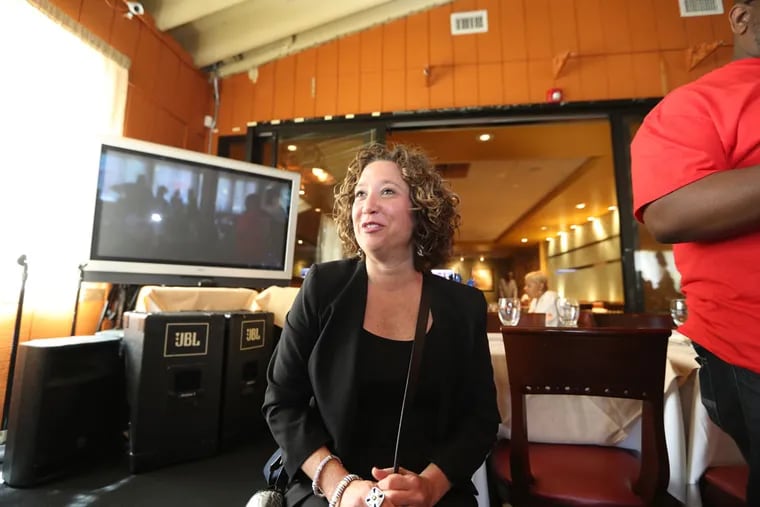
pixel 696 183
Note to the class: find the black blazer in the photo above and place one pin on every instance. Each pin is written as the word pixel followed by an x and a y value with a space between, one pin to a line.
pixel 310 397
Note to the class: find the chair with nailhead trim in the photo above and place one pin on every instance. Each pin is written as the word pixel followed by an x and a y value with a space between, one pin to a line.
pixel 610 362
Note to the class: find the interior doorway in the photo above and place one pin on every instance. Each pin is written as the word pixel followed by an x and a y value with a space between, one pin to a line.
pixel 535 195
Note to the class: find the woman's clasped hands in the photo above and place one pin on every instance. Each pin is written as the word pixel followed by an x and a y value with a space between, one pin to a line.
pixel 401 489
pixel 393 490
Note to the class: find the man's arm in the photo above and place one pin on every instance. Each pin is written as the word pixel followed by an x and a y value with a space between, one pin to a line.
pixel 718 206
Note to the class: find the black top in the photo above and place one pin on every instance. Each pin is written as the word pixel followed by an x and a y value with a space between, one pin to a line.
pixel 313 396
pixel 380 390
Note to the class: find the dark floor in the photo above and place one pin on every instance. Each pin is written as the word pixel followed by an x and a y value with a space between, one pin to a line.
pixel 226 479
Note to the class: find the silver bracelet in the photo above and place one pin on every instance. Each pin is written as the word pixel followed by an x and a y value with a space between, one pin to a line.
pixel 341 487
pixel 315 482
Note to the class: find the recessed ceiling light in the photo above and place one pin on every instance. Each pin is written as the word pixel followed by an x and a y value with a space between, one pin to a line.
pixel 482 258
pixel 544 228
pixel 302 192
pixel 318 210
pixel 461 259
pixel 524 240
pixel 484 137
pixel 611 208
pixel 320 174
pixel 300 242
pixel 591 219
pixel 580 205
pixel 292 147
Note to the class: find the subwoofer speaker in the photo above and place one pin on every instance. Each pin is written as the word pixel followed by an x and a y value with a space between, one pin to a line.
pixel 67 410
pixel 248 348
pixel 174 377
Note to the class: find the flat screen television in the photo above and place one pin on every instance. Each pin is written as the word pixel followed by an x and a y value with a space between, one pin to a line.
pixel 169 216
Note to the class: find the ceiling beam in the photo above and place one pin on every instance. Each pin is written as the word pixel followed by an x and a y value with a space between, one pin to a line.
pixel 350 24
pixel 546 199
pixel 170 14
pixel 255 23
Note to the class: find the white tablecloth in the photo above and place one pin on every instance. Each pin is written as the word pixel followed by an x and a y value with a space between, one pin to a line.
pixel 604 421
pixel 707 445
pixel 153 298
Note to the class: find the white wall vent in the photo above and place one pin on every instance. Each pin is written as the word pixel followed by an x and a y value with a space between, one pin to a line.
pixel 700 7
pixel 469 22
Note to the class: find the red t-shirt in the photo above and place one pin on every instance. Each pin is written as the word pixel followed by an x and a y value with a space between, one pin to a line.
pixel 709 125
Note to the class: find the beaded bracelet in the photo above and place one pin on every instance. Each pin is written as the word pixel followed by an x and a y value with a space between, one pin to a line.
pixel 342 485
pixel 315 482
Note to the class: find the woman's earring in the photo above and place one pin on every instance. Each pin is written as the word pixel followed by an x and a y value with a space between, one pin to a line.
pixel 420 252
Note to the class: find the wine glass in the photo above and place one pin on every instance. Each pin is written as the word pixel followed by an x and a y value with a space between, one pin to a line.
pixel 678 311
pixel 568 311
pixel 509 311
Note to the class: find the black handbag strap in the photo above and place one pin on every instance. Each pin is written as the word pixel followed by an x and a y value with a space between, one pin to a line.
pixel 415 360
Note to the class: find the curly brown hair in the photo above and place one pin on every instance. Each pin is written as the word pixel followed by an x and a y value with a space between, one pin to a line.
pixel 435 204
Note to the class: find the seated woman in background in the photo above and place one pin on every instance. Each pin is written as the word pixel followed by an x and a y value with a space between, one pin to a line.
pixel 542 300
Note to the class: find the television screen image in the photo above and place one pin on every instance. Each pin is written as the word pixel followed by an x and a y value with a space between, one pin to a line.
pixel 170 216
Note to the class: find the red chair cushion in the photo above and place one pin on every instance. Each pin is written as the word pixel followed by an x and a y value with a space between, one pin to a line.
pixel 576 475
pixel 725 485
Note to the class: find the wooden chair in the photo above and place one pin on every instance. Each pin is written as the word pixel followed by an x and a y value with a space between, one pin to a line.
pixel 724 486
pixel 633 320
pixel 493 324
pixel 532 320
pixel 611 362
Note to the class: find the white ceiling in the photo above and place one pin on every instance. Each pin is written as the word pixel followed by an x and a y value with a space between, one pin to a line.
pixel 496 193
pixel 238 35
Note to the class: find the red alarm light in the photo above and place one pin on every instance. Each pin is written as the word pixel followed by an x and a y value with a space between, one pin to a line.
pixel 554 95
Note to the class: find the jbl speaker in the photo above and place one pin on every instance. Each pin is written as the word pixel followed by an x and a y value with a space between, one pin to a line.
pixel 67 410
pixel 173 366
pixel 248 348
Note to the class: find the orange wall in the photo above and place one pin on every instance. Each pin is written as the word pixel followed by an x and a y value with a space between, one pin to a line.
pixel 621 49
pixel 166 101
pixel 167 96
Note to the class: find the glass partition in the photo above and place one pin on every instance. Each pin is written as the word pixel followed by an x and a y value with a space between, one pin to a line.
pixel 321 156
pixel 657 279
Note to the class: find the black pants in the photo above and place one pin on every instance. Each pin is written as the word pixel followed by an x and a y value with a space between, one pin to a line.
pixel 731 396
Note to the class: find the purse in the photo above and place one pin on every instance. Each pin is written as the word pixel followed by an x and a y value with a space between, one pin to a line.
pixel 277 480
pixel 274 469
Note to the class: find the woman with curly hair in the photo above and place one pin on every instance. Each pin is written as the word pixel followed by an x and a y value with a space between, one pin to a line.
pixel 336 380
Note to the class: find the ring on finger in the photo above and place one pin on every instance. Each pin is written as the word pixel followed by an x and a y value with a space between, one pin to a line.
pixel 375 497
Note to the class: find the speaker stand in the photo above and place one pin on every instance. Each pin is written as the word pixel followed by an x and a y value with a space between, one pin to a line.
pixel 14 348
